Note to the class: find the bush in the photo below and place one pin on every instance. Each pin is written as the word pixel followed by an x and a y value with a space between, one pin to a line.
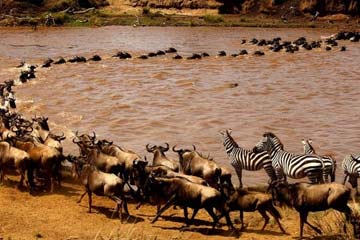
pixel 213 19
pixel 145 11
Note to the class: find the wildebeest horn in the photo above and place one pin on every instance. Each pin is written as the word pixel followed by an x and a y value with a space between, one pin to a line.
pixel 165 149
pixel 74 141
pixel 149 149
pixel 94 136
pixel 173 148
pixel 194 147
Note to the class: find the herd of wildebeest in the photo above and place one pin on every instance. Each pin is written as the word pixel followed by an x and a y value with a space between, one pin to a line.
pixel 193 180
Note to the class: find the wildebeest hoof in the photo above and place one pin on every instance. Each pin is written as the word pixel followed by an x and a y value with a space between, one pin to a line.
pixel 244 226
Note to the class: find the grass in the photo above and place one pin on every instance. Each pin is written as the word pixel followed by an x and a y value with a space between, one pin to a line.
pixel 153 17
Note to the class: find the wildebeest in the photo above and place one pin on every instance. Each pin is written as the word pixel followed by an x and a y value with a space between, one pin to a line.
pixel 193 163
pixel 183 193
pixel 125 157
pixel 142 172
pixel 13 157
pixel 103 161
pixel 102 184
pixel 307 198
pixel 160 158
pixel 250 201
pixel 42 157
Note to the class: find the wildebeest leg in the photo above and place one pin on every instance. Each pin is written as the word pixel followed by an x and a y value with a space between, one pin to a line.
pixel 22 177
pixel 186 216
pixel 213 215
pixel 82 196
pixel 193 215
pixel 345 178
pixel 139 205
pixel 126 207
pixel 303 219
pixel 164 208
pixel 239 174
pixel 1 175
pixel 276 215
pixel 265 216
pixel 227 217
pixel 242 220
pixel 90 200
pixel 347 211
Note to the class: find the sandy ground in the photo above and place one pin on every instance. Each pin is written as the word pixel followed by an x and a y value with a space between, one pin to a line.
pixel 58 216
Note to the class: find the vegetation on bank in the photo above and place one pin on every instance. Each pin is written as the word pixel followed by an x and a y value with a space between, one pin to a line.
pixel 150 17
pixel 98 13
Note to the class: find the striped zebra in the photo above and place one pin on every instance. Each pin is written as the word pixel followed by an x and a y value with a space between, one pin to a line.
pixel 329 162
pixel 351 166
pixel 288 164
pixel 245 159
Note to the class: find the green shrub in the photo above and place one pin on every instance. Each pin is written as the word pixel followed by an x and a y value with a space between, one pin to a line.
pixel 213 19
pixel 146 11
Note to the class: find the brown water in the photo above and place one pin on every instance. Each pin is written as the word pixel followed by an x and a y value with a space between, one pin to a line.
pixel 312 94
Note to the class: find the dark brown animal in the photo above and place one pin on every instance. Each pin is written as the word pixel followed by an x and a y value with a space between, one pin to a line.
pixel 192 163
pixel 42 157
pixel 101 184
pixel 181 192
pixel 13 157
pixel 160 158
pixel 250 201
pixel 307 198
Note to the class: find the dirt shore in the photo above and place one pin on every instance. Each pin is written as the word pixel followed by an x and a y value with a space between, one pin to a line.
pixel 58 216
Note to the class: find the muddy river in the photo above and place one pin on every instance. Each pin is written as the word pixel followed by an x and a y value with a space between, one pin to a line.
pixel 312 94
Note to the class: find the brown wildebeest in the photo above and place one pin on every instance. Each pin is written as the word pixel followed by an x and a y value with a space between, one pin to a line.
pixel 14 157
pixel 160 158
pixel 193 163
pixel 181 192
pixel 102 184
pixel 250 201
pixel 305 198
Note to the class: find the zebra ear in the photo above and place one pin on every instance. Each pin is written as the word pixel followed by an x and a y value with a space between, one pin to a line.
pixel 303 141
pixel 229 131
pixel 310 140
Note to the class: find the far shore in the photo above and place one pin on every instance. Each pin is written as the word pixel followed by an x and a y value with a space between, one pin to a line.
pixel 155 17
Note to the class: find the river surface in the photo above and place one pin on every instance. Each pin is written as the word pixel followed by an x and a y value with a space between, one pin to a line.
pixel 308 94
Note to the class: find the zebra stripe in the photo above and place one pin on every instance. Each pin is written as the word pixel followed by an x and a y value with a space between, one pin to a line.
pixel 245 159
pixel 291 165
pixel 351 167
pixel 329 163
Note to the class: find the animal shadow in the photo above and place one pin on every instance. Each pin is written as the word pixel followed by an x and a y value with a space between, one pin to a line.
pixel 110 213
pixel 331 237
pixel 63 190
pixel 265 232
pixel 207 231
pixel 196 222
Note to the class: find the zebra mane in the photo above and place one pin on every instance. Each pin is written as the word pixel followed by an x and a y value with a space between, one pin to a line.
pixel 234 143
pixel 272 135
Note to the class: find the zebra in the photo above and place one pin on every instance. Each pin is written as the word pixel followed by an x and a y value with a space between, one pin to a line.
pixel 288 164
pixel 329 162
pixel 246 159
pixel 351 167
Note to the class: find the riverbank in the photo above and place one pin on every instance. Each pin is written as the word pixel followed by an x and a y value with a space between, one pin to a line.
pixel 171 17
pixel 58 216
